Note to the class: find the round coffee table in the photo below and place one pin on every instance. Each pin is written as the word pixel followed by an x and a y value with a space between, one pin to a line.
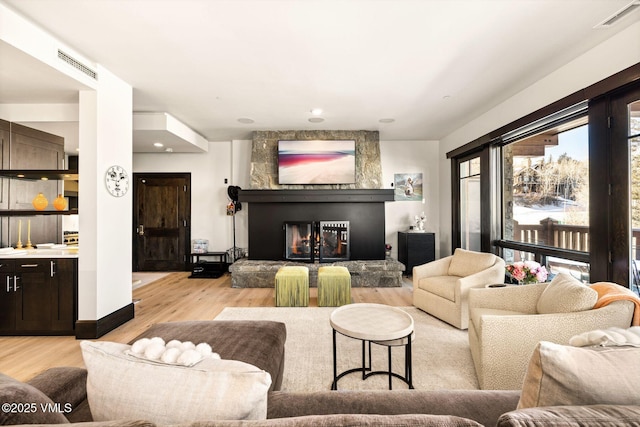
pixel 378 324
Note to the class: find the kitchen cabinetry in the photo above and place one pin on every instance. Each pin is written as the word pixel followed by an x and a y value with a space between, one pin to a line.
pixel 38 296
pixel 415 249
pixel 32 163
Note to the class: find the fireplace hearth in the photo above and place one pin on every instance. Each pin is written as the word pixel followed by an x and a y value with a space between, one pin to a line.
pixel 322 241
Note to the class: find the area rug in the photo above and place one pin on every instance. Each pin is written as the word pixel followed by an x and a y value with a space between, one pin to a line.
pixel 441 355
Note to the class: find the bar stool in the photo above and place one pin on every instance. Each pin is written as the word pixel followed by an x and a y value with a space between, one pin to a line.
pixel 292 286
pixel 334 286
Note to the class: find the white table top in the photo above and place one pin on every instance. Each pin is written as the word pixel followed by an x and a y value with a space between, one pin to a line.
pixel 372 322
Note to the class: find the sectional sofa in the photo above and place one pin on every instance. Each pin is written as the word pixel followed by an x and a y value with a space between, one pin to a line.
pixel 59 395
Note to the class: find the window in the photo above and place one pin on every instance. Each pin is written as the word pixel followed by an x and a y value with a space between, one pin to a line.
pixel 470 233
pixel 546 192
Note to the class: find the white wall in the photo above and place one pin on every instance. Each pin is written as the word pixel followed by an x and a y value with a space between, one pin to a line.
pixel 410 157
pixel 208 189
pixel 614 55
pixel 104 265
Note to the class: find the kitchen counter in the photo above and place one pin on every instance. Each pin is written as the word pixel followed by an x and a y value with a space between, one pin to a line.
pixel 70 252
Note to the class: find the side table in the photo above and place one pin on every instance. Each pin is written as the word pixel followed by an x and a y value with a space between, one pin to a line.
pixel 373 324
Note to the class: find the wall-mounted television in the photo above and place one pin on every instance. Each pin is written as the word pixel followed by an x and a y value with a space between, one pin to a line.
pixel 317 162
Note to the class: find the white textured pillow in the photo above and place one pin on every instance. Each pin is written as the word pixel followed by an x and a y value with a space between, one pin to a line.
pixel 560 375
pixel 609 337
pixel 566 295
pixel 122 386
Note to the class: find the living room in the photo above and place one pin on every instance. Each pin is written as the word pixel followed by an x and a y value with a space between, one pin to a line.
pixel 99 121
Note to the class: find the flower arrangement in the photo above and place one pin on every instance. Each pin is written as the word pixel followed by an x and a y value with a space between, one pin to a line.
pixel 526 272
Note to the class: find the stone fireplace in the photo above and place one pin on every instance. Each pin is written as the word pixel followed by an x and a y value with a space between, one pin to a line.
pixel 358 247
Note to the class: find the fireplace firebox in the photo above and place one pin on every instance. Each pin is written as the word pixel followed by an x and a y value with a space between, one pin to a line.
pixel 322 241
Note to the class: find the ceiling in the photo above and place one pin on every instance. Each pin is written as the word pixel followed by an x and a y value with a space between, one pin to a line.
pixel 430 65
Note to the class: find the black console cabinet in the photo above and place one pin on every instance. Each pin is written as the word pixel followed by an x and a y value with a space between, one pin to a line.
pixel 415 249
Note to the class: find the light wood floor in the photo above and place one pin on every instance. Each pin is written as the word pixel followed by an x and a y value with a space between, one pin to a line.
pixel 172 298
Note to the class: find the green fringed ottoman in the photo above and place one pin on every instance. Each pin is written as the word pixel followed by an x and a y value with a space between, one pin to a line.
pixel 292 286
pixel 334 286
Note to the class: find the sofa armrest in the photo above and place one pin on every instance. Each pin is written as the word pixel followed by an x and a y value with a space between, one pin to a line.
pixel 439 267
pixel 494 274
pixel 483 406
pixel 522 298
pixel 62 385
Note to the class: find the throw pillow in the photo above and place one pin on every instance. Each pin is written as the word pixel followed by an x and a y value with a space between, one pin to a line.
pixel 465 263
pixel 25 404
pixel 608 337
pixel 566 295
pixel 563 375
pixel 123 386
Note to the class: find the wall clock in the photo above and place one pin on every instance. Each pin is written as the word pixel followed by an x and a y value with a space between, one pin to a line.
pixel 117 181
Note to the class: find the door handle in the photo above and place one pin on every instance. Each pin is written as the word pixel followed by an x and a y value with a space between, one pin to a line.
pixel 15 283
pixel 53 270
pixel 8 284
pixel 141 230
pixel 29 265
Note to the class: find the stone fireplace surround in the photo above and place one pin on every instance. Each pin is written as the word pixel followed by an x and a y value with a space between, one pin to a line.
pixel 271 205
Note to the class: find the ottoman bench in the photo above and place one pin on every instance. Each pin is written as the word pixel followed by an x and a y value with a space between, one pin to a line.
pixel 334 286
pixel 259 343
pixel 292 286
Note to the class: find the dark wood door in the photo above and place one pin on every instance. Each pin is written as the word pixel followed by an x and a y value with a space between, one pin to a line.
pixel 162 219
pixel 33 308
pixel 7 297
pixel 63 293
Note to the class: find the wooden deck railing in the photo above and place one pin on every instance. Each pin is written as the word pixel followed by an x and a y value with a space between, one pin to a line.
pixel 550 233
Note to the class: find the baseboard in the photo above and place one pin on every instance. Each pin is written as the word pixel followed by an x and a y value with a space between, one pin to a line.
pixel 93 329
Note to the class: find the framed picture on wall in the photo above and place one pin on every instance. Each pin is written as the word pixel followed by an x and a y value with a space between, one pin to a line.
pixel 408 187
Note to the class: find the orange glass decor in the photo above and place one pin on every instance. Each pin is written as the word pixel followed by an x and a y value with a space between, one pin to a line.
pixel 60 203
pixel 40 202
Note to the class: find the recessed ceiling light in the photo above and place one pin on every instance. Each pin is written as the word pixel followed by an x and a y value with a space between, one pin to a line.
pixel 169 150
pixel 246 120
pixel 387 120
pixel 158 144
pixel 316 119
pixel 316 111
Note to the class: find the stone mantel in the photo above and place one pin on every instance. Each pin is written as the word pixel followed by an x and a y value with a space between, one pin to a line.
pixel 316 196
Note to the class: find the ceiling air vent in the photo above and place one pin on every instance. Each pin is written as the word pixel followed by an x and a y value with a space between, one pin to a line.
pixel 77 64
pixel 619 15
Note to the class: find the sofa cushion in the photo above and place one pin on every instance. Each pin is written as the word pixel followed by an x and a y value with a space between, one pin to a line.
pixel 123 386
pixel 24 404
pixel 465 263
pixel 351 420
pixel 565 375
pixel 443 286
pixel 565 295
pixel 595 415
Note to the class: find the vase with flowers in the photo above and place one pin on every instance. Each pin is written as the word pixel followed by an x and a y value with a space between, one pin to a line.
pixel 526 272
pixel 387 250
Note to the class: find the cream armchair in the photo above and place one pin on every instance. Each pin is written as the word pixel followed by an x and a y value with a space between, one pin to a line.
pixel 504 329
pixel 441 287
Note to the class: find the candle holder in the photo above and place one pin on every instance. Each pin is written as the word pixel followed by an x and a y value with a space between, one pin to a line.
pixel 29 246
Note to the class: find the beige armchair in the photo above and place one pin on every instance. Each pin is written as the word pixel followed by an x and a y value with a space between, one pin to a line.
pixel 504 329
pixel 441 287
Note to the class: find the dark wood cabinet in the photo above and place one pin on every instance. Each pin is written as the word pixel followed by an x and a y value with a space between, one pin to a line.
pixel 24 149
pixel 415 249
pixel 38 296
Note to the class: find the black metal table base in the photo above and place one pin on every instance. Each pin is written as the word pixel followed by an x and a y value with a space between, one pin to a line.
pixel 367 370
